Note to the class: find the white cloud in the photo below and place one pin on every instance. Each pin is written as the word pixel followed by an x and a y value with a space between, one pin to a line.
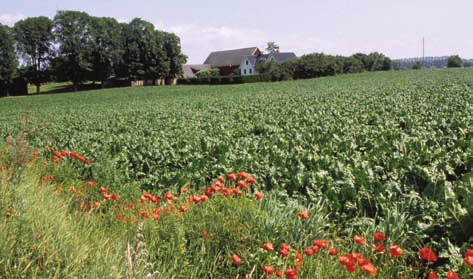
pixel 10 19
pixel 198 40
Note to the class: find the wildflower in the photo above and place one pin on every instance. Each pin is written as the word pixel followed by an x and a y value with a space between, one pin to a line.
pixel 243 175
pixel 83 207
pixel 45 179
pixel 291 273
pixel 83 187
pixel 205 235
pixel 59 188
pixel 315 249
pixel 102 189
pixel 258 196
pixel 144 214
pixel 268 270
pixel 114 197
pixel 303 215
pixel 237 191
pixel 183 208
pixel 184 190
pixel 452 275
pixel 427 254
pixel 359 240
pixel 321 243
pixel 95 205
pixel 73 189
pixel 332 251
pixel 468 260
pixel 91 183
pixel 349 262
pixel 51 149
pixel 168 196
pixel 298 260
pixel 232 176
pixel 236 259
pixel 221 179
pixel 35 155
pixel 284 250
pixel 379 237
pixel 370 269
pixel 380 248
pixel 395 251
pixel 268 247
pixel 363 261
pixel 251 180
pixel 242 184
pixel 130 206
pixel 279 273
pixel 432 275
pixel 208 192
pixel 309 252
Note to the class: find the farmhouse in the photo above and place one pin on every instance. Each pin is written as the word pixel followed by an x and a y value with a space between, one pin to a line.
pixel 248 63
pixel 190 71
pixel 227 61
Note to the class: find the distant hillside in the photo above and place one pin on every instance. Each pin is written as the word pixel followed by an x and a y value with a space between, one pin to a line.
pixel 426 62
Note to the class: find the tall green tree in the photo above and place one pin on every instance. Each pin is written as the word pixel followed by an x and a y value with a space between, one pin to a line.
pixel 34 38
pixel 173 54
pixel 106 48
pixel 454 61
pixel 8 60
pixel 72 31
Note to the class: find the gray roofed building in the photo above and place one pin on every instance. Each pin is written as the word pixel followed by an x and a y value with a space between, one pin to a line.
pixel 248 63
pixel 191 70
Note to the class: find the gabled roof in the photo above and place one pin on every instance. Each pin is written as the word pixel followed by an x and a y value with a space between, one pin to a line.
pixel 278 57
pixel 229 57
pixel 191 70
pixel 282 56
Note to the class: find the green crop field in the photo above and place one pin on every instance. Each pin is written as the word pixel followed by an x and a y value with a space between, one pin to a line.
pixel 361 146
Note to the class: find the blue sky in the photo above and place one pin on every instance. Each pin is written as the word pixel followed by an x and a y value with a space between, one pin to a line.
pixel 344 27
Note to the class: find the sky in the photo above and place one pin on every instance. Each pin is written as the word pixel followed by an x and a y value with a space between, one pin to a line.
pixel 395 28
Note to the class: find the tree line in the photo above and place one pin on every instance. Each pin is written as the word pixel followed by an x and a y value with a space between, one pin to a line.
pixel 316 65
pixel 77 47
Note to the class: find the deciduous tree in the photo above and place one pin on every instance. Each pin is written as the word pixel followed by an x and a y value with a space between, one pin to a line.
pixel 34 39
pixel 8 60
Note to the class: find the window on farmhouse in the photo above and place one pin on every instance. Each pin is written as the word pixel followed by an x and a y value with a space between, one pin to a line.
pixel 246 62
pixel 251 71
pixel 244 71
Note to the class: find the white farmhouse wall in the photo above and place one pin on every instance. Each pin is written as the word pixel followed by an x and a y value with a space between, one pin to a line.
pixel 247 68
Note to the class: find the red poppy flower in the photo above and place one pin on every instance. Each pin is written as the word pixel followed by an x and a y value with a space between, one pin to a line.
pixel 279 273
pixel 242 184
pixel 333 252
pixel 221 179
pixel 243 175
pixel 251 180
pixel 380 248
pixel 469 253
pixel 184 190
pixel 432 275
pixel 232 176
pixel 51 149
pixel 362 261
pixel 237 191
pixel 298 260
pixel 258 196
pixel 205 235
pixel 268 247
pixel 452 275
pixel 73 189
pixel 183 208
pixel 309 252
pixel 303 215
pixel 144 214
pixel 114 197
pixel 91 183
pixel 379 237
pixel 468 260
pixel 284 253
pixel 370 269
pixel 83 187
pixel 236 259
pixel 315 249
pixel 321 243
pixel 268 270
pixel 291 273
pixel 359 240
pixel 102 189
pixel 35 155
pixel 427 254
pixel 395 251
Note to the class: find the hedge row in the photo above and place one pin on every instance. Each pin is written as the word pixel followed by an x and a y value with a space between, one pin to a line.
pixel 223 80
